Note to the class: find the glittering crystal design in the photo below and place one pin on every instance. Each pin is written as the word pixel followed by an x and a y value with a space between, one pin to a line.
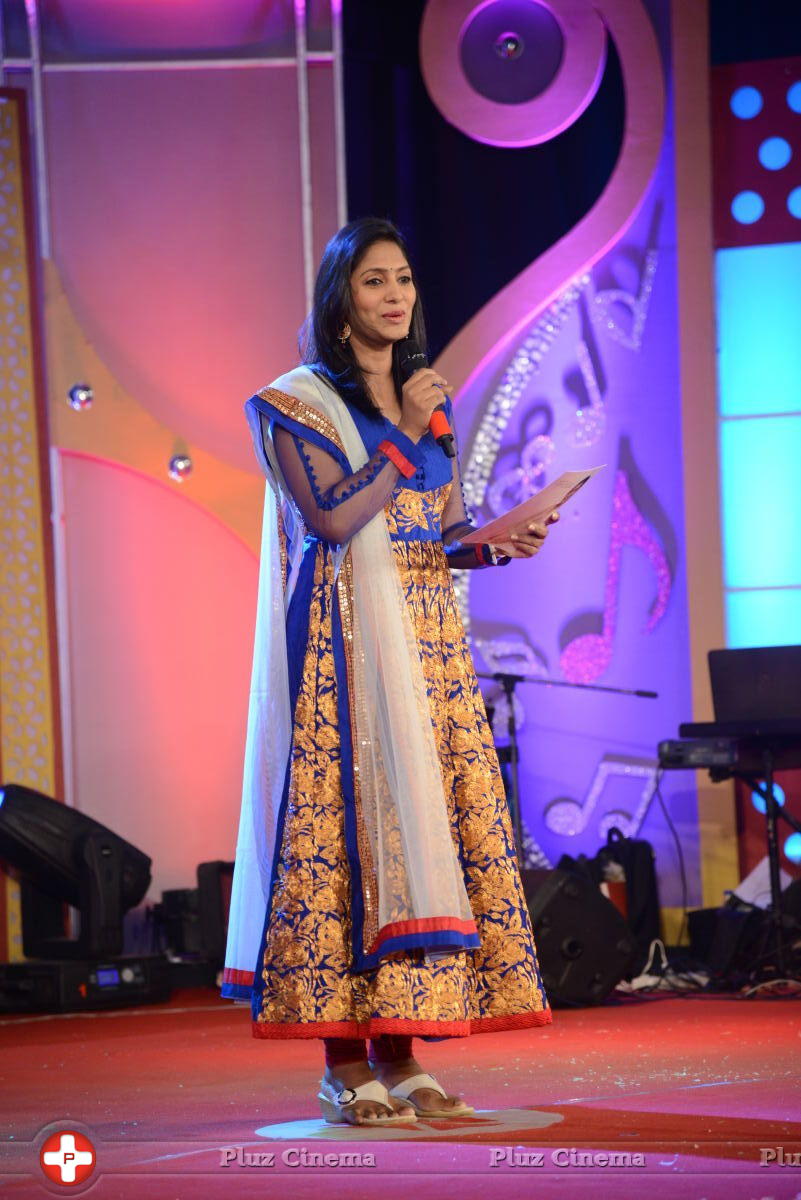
pixel 478 464
pixel 532 854
pixel 589 423
pixel 587 657
pixel 516 485
pixel 525 363
pixel 606 302
pixel 570 817
pixel 516 657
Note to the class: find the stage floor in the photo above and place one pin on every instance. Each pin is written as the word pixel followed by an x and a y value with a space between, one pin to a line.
pixel 645 1097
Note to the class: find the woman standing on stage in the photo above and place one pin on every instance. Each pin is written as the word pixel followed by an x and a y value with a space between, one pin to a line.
pixel 376 891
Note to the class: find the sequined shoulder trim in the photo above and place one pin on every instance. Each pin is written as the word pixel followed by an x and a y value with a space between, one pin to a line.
pixel 303 413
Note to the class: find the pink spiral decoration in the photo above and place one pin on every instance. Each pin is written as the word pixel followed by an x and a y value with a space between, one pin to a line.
pixel 584 26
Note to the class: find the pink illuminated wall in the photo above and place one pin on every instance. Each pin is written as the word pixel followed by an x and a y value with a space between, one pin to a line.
pixel 178 251
pixel 175 288
pixel 161 603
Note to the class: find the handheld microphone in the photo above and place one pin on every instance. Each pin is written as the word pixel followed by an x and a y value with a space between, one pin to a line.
pixel 410 359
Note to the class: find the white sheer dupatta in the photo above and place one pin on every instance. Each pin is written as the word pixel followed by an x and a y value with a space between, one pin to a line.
pixel 413 887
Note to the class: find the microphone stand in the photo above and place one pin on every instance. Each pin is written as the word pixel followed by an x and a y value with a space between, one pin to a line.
pixel 508 682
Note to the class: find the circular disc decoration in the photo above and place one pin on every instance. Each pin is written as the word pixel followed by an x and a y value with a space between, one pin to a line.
pixel 566 59
pixel 511 50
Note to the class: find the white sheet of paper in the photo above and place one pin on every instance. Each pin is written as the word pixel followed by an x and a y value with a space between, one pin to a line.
pixel 531 511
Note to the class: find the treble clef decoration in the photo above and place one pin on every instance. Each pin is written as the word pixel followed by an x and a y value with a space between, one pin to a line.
pixel 508 339
pixel 584 28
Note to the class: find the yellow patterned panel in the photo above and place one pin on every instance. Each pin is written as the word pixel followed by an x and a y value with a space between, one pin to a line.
pixel 28 687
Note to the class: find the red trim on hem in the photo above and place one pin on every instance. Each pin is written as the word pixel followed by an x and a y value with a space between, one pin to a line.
pixel 422 925
pixel 403 1025
pixel 397 457
pixel 480 556
pixel 232 975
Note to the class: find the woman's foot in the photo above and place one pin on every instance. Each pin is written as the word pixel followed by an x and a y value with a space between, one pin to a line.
pixel 391 1074
pixel 352 1075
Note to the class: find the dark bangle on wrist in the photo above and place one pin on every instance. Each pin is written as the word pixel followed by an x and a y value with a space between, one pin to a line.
pixel 492 558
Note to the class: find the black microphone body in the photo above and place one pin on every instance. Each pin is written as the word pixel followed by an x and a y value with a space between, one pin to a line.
pixel 411 358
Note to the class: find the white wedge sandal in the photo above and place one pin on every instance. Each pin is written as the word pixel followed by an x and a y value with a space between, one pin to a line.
pixel 334 1103
pixel 404 1089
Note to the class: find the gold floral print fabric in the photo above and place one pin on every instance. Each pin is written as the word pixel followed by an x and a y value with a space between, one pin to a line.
pixel 307 986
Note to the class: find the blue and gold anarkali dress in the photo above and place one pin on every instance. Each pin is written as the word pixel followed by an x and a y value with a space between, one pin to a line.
pixel 315 971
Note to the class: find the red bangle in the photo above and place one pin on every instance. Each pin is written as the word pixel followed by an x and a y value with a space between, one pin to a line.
pixel 397 457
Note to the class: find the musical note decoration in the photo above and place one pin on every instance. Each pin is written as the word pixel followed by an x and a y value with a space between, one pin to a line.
pixel 517 658
pixel 517 484
pixel 532 854
pixel 589 421
pixel 569 817
pixel 587 657
pixel 608 306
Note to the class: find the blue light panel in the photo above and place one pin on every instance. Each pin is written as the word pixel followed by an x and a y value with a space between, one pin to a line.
pixel 759 329
pixel 760 468
pixel 763 618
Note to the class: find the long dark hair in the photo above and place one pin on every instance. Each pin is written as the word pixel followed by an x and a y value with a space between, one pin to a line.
pixel 319 344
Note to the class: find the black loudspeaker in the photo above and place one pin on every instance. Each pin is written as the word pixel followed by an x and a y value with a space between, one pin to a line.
pixel 180 917
pixel 214 883
pixel 584 945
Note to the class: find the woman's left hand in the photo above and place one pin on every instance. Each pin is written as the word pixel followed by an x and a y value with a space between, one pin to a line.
pixel 530 542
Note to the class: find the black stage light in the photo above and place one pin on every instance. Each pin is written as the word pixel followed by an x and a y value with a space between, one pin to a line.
pixel 66 857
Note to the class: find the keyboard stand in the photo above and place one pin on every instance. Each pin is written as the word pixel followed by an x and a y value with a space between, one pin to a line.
pixel 773 812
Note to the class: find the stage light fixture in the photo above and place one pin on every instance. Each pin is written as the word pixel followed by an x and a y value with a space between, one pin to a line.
pixel 760 803
pixel 64 856
pixel 180 467
pixel 792 848
pixel 775 153
pixel 509 45
pixel 746 103
pixel 794 202
pixel 747 207
pixel 80 396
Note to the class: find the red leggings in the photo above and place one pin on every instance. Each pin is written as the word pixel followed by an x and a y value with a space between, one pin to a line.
pixel 387 1048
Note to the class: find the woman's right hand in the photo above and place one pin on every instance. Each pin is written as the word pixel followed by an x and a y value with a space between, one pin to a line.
pixel 421 394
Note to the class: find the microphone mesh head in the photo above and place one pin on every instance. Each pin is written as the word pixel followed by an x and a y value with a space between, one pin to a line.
pixel 410 358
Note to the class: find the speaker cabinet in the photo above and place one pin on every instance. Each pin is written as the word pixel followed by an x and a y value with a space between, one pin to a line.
pixel 584 945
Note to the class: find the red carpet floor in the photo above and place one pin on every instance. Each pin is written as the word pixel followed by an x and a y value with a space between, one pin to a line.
pixel 646 1097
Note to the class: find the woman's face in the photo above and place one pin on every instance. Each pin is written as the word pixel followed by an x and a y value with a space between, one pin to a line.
pixel 382 295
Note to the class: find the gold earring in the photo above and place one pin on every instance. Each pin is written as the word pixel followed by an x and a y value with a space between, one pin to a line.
pixel 345 334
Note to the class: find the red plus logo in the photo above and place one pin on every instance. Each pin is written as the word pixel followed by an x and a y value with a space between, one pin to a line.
pixel 67 1157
